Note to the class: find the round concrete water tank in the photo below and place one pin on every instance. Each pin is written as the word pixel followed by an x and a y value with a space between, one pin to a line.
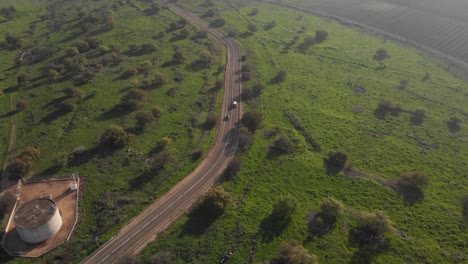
pixel 37 220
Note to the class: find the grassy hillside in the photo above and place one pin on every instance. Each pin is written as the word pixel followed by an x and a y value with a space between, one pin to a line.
pixel 333 88
pixel 69 110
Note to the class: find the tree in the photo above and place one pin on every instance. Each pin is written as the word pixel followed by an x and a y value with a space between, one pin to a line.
pixel 381 54
pixel 411 184
pixel 110 22
pixel 233 167
pixel 149 48
pixel 321 36
pixel 30 154
pixel 426 77
pixel 418 115
pixel 284 207
pixel 403 84
pixel 454 124
pixel 74 92
pixel 252 120
pixel 254 11
pixel 331 208
pixel 245 139
pixel 60 160
pixel 294 253
pixel 162 257
pixel 215 201
pixel 144 118
pixel 22 104
pixel 258 88
pixel 283 144
pixel 115 136
pixel 7 201
pixel 252 27
pixel 13 41
pixel 219 84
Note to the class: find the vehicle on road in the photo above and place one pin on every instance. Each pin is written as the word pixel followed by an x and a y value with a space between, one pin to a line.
pixel 226 118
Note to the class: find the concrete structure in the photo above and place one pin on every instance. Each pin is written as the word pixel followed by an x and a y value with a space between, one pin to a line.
pixel 37 220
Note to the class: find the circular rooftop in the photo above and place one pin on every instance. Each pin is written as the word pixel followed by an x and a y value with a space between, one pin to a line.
pixel 34 213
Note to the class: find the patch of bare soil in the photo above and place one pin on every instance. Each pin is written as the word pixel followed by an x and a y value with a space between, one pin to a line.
pixel 354 173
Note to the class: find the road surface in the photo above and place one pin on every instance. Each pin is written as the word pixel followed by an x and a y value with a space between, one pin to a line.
pixel 145 227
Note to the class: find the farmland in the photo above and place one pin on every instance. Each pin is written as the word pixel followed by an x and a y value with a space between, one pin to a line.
pixel 330 98
pixel 441 26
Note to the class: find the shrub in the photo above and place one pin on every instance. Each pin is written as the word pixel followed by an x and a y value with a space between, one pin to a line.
pixel 252 27
pixel 52 74
pixel 258 88
pixel 164 142
pixel 23 78
pixel 162 257
pixel 245 139
pixel 72 52
pixel 115 136
pixel 281 75
pixel 321 36
pixel 377 222
pixel 144 118
pixel 160 78
pixel 246 76
pixel 218 22
pixel 22 104
pixel 335 162
pixel 206 57
pixel 74 93
pixel 418 115
pixel 381 54
pixel 156 111
pixel 13 41
pixel 18 168
pixel 68 105
pixel 60 160
pixel 294 253
pixel 146 66
pixel 283 144
pixel 219 84
pixel 284 207
pixel 130 72
pixel 135 98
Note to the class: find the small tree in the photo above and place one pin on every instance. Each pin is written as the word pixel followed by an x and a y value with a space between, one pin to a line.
pixel 206 57
pixel 381 54
pixel 284 207
pixel 219 84
pixel 335 162
pixel 403 84
pixel 245 139
pixel 135 98
pixel 294 253
pixel 131 71
pixel 252 120
pixel 418 115
pixel 144 118
pixel 30 154
pixel 411 185
pixel 13 41
pixel 258 88
pixel 160 78
pixel 52 74
pixel 23 79
pixel 18 168
pixel 321 36
pixel 376 222
pixel 22 104
pixel 426 77
pixel 115 136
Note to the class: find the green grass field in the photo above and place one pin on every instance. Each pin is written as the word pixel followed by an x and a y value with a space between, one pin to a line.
pixel 117 185
pixel 325 83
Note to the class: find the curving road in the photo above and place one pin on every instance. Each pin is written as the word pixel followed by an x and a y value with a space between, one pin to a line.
pixel 145 227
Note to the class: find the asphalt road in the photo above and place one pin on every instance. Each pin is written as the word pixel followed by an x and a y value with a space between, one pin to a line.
pixel 145 227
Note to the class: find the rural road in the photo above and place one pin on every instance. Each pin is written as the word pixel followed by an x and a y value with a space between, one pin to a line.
pixel 145 227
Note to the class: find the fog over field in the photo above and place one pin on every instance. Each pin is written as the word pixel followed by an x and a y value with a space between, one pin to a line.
pixel 439 25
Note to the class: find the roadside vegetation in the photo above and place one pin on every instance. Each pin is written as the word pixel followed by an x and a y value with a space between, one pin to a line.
pixel 115 91
pixel 351 151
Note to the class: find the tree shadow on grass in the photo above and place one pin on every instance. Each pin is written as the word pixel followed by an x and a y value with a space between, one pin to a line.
pixel 11 89
pixel 9 114
pixel 411 195
pixel 117 111
pixel 197 65
pixel 199 221
pixel 54 115
pixel 245 34
pixel 273 226
pixel 416 120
